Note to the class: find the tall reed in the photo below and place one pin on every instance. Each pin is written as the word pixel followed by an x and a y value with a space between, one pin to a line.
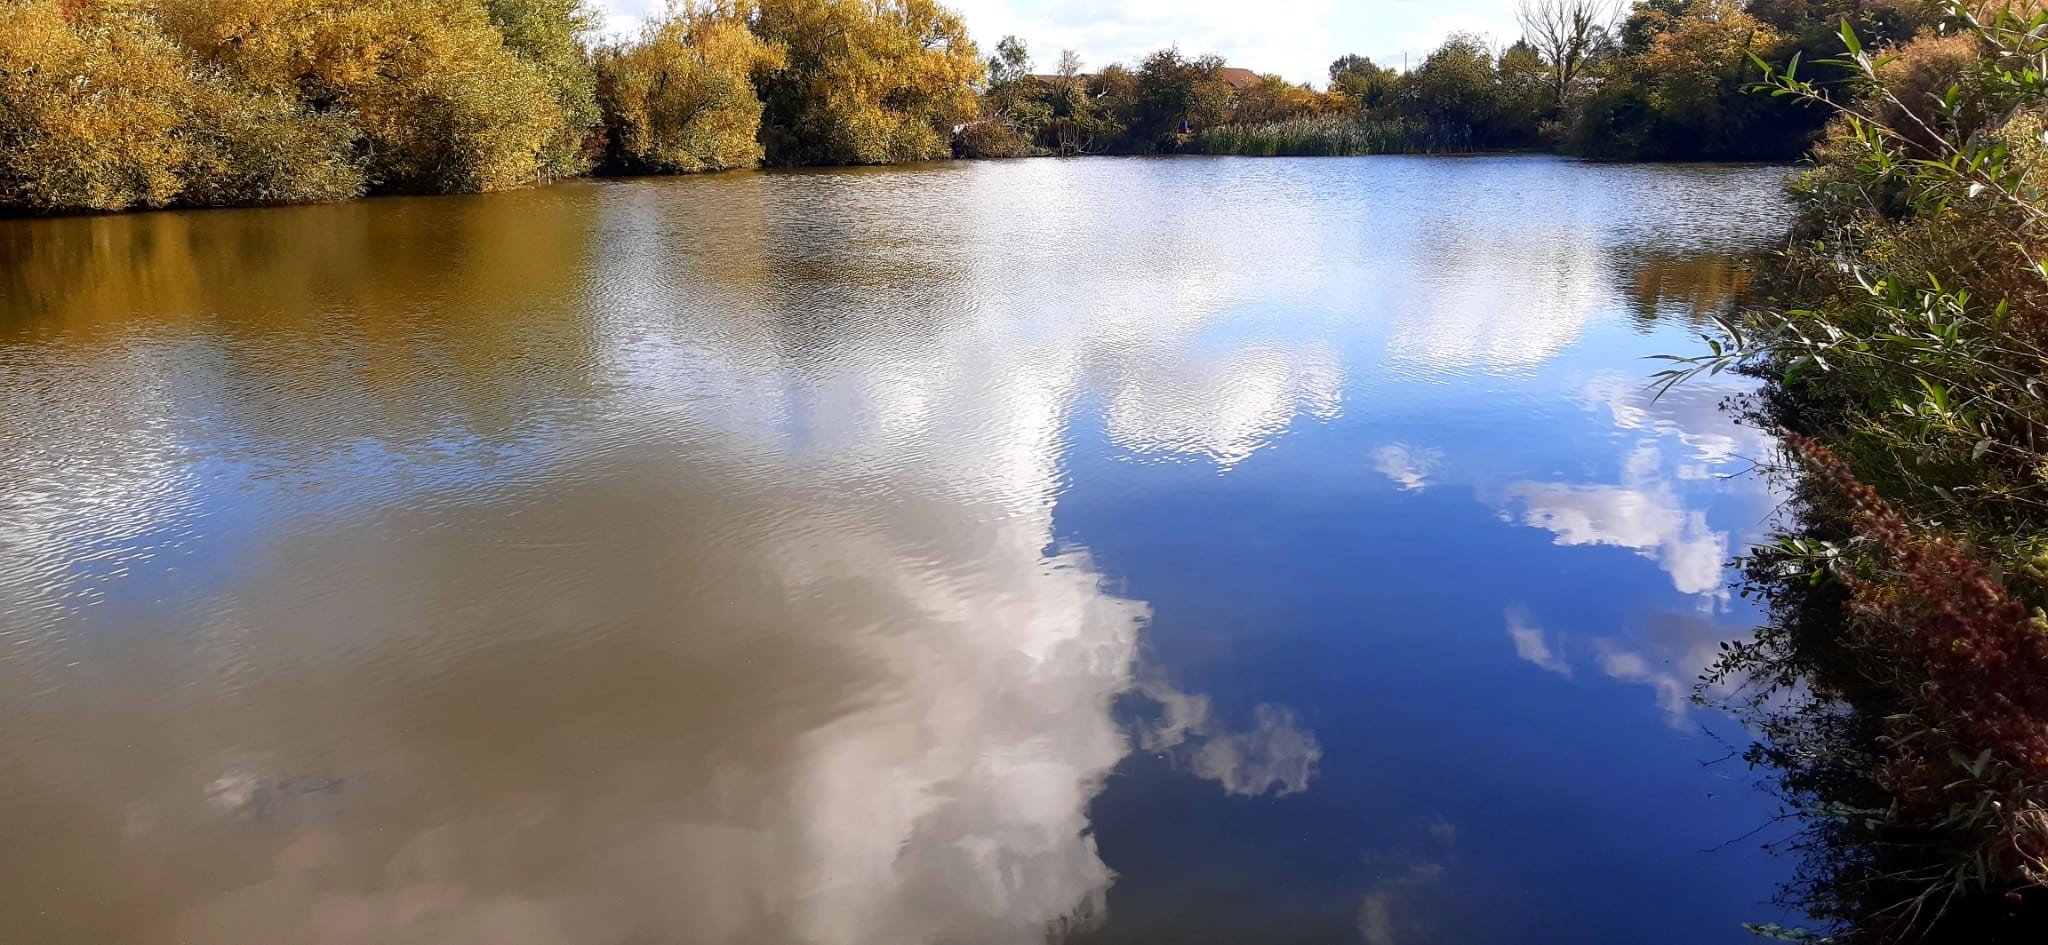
pixel 1331 136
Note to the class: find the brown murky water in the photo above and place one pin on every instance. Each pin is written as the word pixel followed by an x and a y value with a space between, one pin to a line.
pixel 717 560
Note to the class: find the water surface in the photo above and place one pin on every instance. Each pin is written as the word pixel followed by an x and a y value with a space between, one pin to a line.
pixel 1167 551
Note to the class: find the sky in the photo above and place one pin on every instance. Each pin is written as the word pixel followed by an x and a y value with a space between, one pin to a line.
pixel 1295 38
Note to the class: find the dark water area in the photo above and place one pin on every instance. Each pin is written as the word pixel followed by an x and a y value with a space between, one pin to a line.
pixel 1175 551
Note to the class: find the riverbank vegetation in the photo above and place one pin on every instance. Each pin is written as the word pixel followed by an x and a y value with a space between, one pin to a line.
pixel 1901 685
pixel 1330 136
pixel 116 104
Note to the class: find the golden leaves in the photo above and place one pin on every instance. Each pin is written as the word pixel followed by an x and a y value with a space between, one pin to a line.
pixel 110 106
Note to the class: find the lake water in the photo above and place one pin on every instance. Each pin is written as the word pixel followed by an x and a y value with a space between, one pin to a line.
pixel 1118 551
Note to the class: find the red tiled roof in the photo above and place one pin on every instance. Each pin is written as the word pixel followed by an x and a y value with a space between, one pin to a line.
pixel 1239 79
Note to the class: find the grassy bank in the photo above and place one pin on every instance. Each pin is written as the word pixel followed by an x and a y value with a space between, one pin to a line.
pixel 1902 682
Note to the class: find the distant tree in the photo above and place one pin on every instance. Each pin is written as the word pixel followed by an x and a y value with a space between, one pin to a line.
pixel 679 98
pixel 1077 120
pixel 1677 88
pixel 1112 109
pixel 1646 19
pixel 1687 62
pixel 1523 106
pixel 1013 92
pixel 1360 83
pixel 1172 89
pixel 1010 64
pixel 1455 85
pixel 1815 25
pixel 1563 34
pixel 1069 70
pixel 1014 108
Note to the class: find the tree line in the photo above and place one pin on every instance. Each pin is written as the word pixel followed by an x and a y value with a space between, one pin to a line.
pixel 113 104
pixel 1659 80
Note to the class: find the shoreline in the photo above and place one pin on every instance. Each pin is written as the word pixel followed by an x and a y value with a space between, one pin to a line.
pixel 11 215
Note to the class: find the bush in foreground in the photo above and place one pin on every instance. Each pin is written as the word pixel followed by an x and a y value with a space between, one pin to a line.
pixel 1904 358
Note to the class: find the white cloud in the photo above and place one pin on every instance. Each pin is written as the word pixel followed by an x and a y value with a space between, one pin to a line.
pixel 1690 412
pixel 1532 645
pixel 1499 31
pixel 1275 755
pixel 933 784
pixel 1223 407
pixel 1630 666
pixel 1552 282
pixel 1408 467
pixel 1650 522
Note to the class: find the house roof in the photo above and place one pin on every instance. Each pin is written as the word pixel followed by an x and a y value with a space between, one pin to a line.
pixel 1239 79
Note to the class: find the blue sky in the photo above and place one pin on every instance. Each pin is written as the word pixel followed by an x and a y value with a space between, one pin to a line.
pixel 1296 38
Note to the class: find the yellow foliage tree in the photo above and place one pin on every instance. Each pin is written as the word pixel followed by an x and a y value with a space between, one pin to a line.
pixel 865 81
pixel 438 101
pixel 90 108
pixel 550 35
pixel 1687 60
pixel 110 104
pixel 680 98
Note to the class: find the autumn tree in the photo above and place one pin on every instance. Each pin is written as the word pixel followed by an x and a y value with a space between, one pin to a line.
pixel 680 98
pixel 101 110
pixel 436 100
pixel 864 81
pixel 1678 84
pixel 1687 61
pixel 88 115
pixel 549 34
